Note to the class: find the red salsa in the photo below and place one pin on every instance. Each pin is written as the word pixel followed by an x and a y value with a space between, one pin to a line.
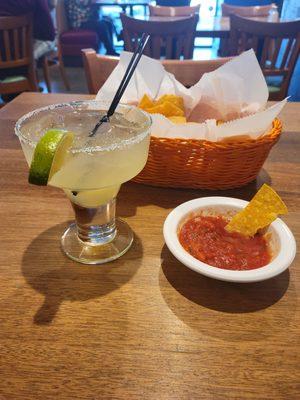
pixel 206 239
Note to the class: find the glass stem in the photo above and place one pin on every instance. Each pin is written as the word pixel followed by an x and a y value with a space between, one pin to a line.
pixel 96 226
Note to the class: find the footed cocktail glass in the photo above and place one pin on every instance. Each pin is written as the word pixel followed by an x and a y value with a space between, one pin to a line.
pixel 93 171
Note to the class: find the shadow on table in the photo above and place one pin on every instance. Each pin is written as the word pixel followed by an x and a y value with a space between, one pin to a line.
pixel 133 195
pixel 213 305
pixel 60 279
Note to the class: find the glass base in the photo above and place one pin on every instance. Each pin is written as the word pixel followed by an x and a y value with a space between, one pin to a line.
pixel 86 253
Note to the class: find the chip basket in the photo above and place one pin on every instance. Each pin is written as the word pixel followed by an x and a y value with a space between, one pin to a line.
pixel 200 164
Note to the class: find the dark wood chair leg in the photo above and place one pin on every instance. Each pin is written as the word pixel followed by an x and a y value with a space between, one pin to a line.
pixel 32 78
pixel 62 70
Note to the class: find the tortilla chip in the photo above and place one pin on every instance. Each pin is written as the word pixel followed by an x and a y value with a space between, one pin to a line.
pixel 168 105
pixel 146 103
pixel 178 120
pixel 263 209
pixel 172 98
pixel 167 109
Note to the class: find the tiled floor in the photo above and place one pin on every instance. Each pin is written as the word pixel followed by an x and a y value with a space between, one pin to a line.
pixel 75 76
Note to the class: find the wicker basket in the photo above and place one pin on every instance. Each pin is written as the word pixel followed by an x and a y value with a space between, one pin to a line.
pixel 200 164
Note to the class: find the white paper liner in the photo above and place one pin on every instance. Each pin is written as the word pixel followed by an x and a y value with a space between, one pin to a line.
pixel 236 91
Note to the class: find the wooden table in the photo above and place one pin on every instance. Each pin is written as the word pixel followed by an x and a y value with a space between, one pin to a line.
pixel 144 326
pixel 206 27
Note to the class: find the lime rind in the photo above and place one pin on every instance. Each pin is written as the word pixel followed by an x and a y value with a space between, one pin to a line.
pixel 49 155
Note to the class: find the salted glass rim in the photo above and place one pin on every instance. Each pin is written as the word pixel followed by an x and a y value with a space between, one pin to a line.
pixel 139 137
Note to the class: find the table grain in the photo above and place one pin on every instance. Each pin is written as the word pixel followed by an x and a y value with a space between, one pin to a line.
pixel 143 326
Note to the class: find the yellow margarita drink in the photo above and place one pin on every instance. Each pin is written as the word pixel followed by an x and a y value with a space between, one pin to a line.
pixel 92 169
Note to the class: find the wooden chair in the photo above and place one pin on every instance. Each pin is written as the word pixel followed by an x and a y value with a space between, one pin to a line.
pixel 72 41
pixel 188 72
pixel 55 58
pixel 172 39
pixel 17 67
pixel 275 44
pixel 251 12
pixel 184 11
pixel 49 60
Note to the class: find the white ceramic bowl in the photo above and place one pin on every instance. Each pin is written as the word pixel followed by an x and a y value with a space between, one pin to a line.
pixel 282 241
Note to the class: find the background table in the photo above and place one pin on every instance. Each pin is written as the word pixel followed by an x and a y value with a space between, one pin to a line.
pixel 211 27
pixel 144 326
pixel 123 4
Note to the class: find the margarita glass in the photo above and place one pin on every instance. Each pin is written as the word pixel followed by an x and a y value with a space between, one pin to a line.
pixel 93 170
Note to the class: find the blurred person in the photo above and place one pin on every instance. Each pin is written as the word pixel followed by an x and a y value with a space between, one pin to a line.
pixel 42 47
pixel 43 31
pixel 82 15
pixel 43 28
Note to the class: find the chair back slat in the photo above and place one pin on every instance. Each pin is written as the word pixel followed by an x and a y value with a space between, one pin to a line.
pixel 274 51
pixel 169 46
pixel 265 51
pixel 294 53
pixel 135 42
pixel 156 44
pixel 16 43
pixel 243 40
pixel 276 46
pixel 255 42
pixel 148 50
pixel 287 52
pixel 166 37
pixel 6 40
pixel 178 48
pixel 23 41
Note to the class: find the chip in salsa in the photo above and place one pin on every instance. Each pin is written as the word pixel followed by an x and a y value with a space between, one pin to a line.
pixel 206 239
pixel 263 209
pixel 238 243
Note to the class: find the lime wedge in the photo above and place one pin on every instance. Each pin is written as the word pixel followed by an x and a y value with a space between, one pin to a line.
pixel 49 155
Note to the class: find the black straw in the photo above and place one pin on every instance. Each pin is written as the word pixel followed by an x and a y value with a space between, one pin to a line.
pixel 124 83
